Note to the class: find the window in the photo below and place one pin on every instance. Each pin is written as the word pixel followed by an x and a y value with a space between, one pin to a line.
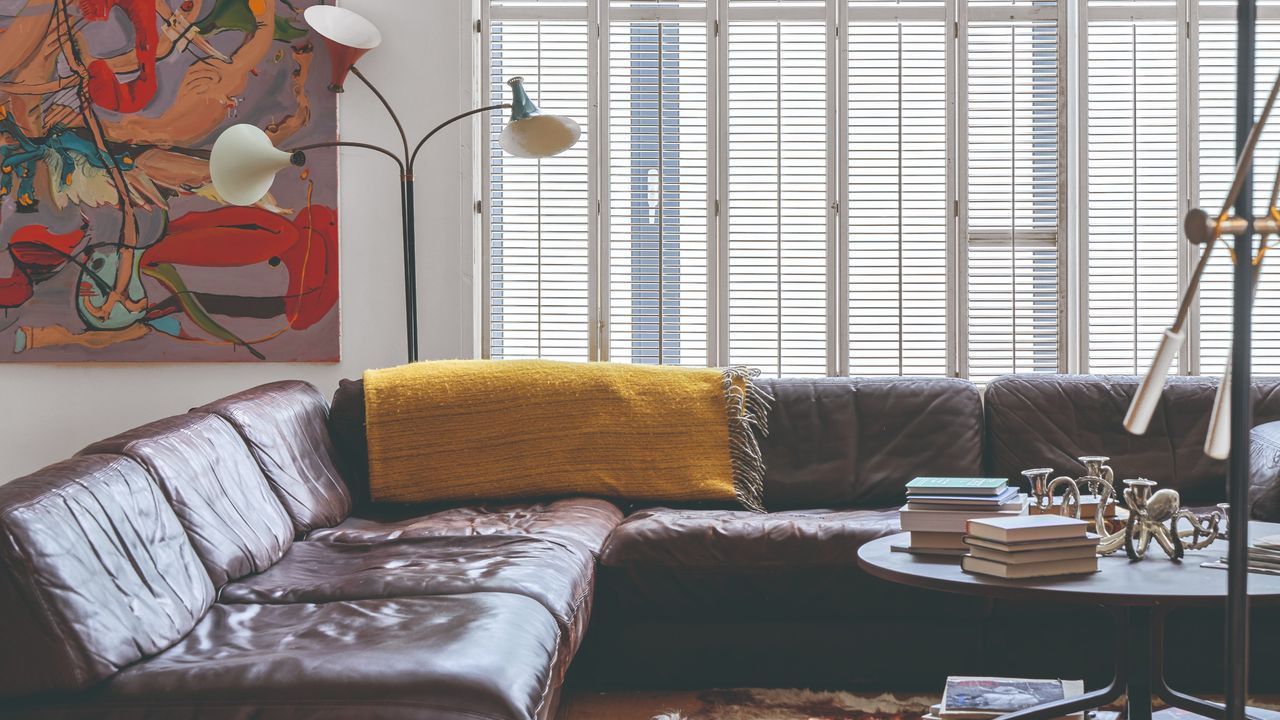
pixel 868 187
pixel 1160 115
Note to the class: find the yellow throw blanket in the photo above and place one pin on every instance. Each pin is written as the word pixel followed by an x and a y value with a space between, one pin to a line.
pixel 463 430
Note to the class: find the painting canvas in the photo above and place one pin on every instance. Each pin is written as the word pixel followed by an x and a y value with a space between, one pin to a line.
pixel 116 246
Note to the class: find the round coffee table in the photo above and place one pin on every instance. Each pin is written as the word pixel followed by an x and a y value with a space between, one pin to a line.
pixel 1137 593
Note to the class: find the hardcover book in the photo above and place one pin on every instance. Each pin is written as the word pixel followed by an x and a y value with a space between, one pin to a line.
pixel 1030 527
pixel 982 566
pixel 956 486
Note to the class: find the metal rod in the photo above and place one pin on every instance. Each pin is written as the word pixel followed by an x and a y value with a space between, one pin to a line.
pixel 413 158
pixel 410 269
pixel 1237 611
pixel 404 139
pixel 344 143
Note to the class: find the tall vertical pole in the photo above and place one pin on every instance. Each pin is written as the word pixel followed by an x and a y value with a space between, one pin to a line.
pixel 410 267
pixel 1237 615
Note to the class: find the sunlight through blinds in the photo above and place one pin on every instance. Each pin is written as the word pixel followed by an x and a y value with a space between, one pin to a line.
pixel 658 190
pixel 777 196
pixel 539 215
pixel 1132 194
pixel 1013 192
pixel 1217 64
pixel 897 108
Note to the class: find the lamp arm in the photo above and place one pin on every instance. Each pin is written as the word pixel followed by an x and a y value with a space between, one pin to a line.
pixel 342 143
pixel 414 157
pixel 404 139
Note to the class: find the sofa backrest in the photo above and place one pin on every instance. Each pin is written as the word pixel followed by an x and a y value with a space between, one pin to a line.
pixel 219 493
pixel 841 442
pixel 97 574
pixel 285 425
pixel 1050 420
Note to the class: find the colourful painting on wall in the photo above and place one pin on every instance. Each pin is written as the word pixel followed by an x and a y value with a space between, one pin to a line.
pixel 116 247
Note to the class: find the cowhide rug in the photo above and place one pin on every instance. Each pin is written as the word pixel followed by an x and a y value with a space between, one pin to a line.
pixel 758 704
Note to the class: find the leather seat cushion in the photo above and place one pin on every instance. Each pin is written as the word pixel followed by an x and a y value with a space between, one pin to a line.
pixel 215 486
pixel 557 576
pixel 95 573
pixel 582 521
pixel 285 425
pixel 487 655
pixel 727 565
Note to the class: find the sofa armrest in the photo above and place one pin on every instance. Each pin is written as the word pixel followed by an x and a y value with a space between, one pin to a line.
pixel 1264 472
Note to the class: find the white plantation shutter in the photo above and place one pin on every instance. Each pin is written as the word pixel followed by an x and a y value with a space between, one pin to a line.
pixel 723 216
pixel 658 223
pixel 1012 202
pixel 539 210
pixel 1132 192
pixel 1217 56
pixel 777 195
pixel 897 206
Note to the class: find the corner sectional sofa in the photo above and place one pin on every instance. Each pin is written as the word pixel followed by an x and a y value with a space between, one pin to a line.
pixel 225 563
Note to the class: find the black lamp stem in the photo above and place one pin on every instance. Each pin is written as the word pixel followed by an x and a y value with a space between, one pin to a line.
pixel 404 163
pixel 1237 610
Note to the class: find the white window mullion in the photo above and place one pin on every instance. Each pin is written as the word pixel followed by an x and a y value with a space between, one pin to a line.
pixel 838 189
pixel 720 287
pixel 597 179
pixel 1188 180
pixel 958 191
pixel 1065 327
pixel 715 151
pixel 1073 28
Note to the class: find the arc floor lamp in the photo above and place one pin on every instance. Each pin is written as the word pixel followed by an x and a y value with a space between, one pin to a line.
pixel 244 163
pixel 1232 417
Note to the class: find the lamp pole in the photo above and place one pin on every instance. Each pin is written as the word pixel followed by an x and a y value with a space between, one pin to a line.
pixel 1237 611
pixel 405 161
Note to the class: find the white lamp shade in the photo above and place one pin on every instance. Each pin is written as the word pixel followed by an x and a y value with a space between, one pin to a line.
pixel 540 136
pixel 343 26
pixel 1217 443
pixel 244 163
pixel 1151 388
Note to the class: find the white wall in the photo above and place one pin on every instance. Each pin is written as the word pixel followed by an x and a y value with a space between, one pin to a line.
pixel 424 66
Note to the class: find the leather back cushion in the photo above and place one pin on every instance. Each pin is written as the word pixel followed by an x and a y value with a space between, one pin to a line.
pixel 285 425
pixel 1050 420
pixel 347 429
pixel 97 574
pixel 236 523
pixel 832 441
pixel 841 442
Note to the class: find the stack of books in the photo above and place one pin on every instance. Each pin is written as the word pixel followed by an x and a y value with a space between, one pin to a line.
pixel 1030 546
pixel 1264 556
pixel 984 698
pixel 937 509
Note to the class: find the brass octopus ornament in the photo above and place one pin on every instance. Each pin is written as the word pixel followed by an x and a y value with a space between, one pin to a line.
pixel 1149 510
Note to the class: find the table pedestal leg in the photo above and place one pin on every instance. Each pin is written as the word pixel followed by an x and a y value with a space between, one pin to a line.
pixel 1174 698
pixel 1139 672
pixel 1143 647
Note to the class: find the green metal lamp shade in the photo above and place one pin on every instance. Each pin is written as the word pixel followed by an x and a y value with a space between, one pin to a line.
pixel 532 133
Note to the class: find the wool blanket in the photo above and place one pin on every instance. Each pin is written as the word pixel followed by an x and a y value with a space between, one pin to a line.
pixel 465 430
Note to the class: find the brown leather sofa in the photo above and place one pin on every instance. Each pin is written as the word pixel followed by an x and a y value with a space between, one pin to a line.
pixel 225 563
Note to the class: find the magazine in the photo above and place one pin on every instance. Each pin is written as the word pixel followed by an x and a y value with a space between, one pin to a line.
pixel 985 697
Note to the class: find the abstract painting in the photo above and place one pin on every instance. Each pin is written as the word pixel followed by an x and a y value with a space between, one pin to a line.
pixel 114 245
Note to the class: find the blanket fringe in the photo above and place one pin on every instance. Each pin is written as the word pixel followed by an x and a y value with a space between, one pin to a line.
pixel 748 409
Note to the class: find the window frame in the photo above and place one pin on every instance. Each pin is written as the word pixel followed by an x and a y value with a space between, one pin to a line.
pixel 1071 232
